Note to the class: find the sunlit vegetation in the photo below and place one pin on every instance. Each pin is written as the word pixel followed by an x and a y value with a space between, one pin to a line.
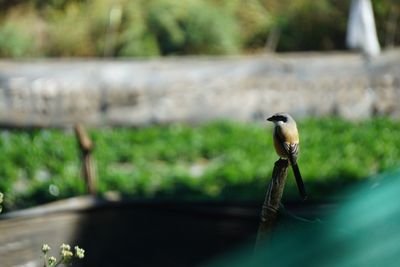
pixel 219 160
pixel 142 28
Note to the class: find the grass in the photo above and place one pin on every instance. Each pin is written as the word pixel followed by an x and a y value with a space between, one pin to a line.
pixel 218 160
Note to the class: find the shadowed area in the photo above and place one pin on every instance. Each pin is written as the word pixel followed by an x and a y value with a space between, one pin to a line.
pixel 363 231
pixel 126 233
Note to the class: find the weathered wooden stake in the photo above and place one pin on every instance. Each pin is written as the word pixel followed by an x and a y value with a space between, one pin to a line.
pixel 272 200
pixel 88 168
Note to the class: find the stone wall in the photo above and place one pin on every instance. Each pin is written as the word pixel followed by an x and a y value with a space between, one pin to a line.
pixel 58 93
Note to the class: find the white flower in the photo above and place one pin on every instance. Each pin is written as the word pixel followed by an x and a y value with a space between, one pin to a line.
pixel 45 248
pixel 65 247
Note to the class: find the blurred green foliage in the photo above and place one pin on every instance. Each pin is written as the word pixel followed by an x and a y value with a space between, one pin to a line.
pixel 219 160
pixel 171 27
pixel 18 36
pixel 312 25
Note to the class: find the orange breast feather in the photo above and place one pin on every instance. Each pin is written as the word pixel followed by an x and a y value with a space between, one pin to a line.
pixel 286 134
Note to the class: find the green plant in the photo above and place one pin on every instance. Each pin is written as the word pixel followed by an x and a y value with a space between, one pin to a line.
pixel 21 33
pixel 1 201
pixel 217 160
pixel 311 25
pixel 78 41
pixel 179 27
pixel 38 28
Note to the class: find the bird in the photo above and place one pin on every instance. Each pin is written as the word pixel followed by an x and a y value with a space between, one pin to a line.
pixel 286 143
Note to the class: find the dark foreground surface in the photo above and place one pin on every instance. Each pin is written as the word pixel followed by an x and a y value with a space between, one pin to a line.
pixel 131 233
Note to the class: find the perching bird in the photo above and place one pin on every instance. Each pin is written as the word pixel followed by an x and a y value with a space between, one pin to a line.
pixel 286 142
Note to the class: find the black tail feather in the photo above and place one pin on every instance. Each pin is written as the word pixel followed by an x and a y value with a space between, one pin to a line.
pixel 299 181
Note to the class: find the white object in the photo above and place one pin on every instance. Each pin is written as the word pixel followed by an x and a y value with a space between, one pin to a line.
pixel 361 32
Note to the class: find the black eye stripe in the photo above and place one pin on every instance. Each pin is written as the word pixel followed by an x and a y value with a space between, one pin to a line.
pixel 281 118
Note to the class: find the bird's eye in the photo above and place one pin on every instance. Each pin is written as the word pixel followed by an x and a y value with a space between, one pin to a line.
pixel 282 118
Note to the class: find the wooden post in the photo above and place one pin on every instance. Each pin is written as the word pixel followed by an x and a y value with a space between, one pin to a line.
pixel 272 200
pixel 88 168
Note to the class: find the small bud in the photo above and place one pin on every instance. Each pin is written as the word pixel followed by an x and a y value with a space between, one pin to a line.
pixel 52 260
pixel 45 248
pixel 66 254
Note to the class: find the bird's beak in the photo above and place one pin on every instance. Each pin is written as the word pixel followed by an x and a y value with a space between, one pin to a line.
pixel 270 118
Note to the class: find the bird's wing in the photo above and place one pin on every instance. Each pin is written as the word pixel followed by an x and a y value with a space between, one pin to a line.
pixel 292 149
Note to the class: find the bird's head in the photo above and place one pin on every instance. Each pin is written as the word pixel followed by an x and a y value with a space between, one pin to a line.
pixel 280 118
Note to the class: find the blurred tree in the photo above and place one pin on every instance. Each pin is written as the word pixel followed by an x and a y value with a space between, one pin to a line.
pixel 311 25
pixel 165 27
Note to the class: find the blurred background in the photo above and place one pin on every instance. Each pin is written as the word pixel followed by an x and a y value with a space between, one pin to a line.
pixel 174 96
pixel 83 28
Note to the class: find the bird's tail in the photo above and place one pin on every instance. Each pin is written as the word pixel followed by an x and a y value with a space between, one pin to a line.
pixel 299 181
